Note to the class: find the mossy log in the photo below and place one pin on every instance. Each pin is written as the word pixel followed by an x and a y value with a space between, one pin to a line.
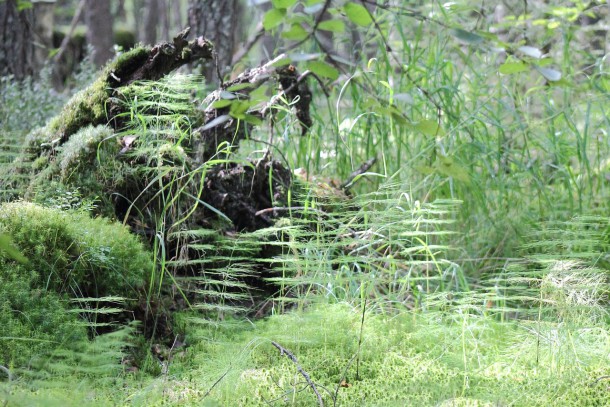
pixel 84 147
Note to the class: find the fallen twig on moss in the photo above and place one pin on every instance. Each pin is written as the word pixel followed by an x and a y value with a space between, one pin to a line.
pixel 290 355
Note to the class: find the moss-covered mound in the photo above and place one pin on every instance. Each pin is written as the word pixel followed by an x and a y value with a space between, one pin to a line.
pixel 70 255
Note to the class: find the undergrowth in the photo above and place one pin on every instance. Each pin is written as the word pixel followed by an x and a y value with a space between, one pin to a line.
pixel 468 267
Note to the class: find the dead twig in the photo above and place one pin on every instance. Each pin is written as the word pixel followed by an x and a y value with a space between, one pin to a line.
pixel 290 355
pixel 349 182
pixel 239 55
pixel 68 37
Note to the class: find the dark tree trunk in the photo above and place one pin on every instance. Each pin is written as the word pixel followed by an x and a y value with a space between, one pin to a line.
pixel 25 38
pixel 219 21
pixel 151 21
pixel 99 30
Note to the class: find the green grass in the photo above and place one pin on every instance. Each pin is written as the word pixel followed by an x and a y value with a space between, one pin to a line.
pixel 471 267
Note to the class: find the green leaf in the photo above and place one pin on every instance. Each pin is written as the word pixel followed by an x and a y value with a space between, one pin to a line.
pixel 6 245
pixel 219 104
pixel 509 68
pixel 24 5
pixel 254 120
pixel 282 62
pixel 273 18
pixel 283 3
pixel 425 169
pixel 238 108
pixel 335 26
pixel 467 36
pixel 296 32
pixel 358 14
pixel 429 128
pixel 323 69
pixel 447 166
pixel 549 74
pixel 239 86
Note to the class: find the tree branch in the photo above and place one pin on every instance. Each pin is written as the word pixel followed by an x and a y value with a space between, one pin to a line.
pixel 290 355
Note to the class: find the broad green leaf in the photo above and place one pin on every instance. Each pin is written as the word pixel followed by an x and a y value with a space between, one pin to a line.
pixel 467 36
pixel 6 246
pixel 254 120
pixel 283 3
pixel 508 68
pixel 447 166
pixel 24 5
pixel 323 69
pixel 239 86
pixel 429 128
pixel 425 169
pixel 544 62
pixel 296 32
pixel 282 62
pixel 273 18
pixel 530 51
pixel 358 14
pixel 238 109
pixel 219 104
pixel 398 117
pixel 336 26
pixel 549 74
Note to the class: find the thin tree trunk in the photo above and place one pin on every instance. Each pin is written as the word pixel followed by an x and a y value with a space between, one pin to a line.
pixel 99 30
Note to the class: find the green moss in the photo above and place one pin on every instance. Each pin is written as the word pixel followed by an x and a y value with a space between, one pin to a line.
pixel 40 163
pixel 410 359
pixel 87 107
pixel 124 38
pixel 33 320
pixel 128 62
pixel 73 253
pixel 69 255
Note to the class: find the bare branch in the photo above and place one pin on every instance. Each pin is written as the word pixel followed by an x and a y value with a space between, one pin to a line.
pixel 290 355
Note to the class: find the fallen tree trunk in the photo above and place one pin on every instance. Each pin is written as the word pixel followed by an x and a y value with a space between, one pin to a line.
pixel 89 146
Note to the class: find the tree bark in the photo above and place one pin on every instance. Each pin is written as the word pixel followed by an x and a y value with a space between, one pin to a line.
pixel 218 21
pixel 99 30
pixel 25 38
pixel 151 21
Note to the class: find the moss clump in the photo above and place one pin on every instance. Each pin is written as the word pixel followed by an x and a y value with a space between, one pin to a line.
pixel 88 163
pixel 87 108
pixel 70 255
pixel 33 321
pixel 73 253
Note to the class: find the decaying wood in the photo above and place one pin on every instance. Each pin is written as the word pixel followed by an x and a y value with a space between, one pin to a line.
pixel 219 127
pixel 164 58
